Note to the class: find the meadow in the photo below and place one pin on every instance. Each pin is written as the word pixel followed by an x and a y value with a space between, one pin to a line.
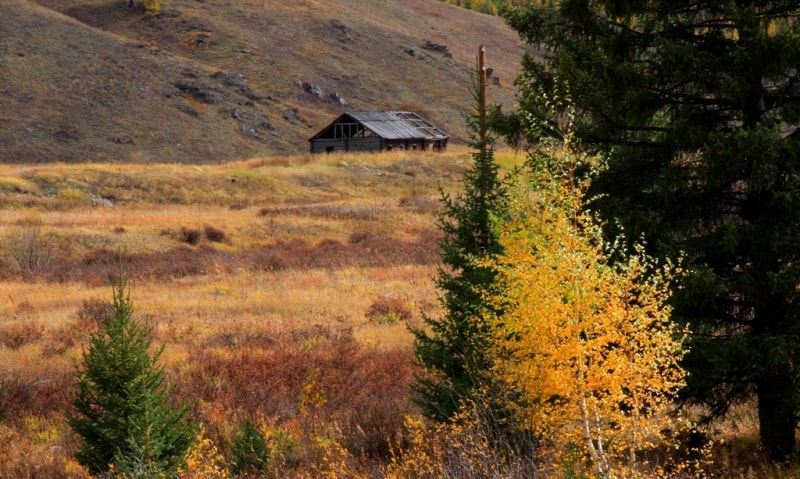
pixel 262 278
pixel 280 288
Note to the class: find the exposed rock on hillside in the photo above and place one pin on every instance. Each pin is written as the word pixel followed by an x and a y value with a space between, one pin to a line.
pixel 217 80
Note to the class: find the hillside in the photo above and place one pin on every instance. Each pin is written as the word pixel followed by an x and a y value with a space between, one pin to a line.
pixel 216 80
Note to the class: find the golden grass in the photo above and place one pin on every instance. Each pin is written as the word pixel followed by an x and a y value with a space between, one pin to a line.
pixel 330 213
pixel 290 286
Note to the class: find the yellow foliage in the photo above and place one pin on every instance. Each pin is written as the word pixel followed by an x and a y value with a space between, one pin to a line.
pixel 153 7
pixel 336 462
pixel 457 449
pixel 588 342
pixel 311 398
pixel 73 469
pixel 204 461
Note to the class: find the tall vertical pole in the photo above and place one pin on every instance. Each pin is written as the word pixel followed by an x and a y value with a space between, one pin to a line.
pixel 482 98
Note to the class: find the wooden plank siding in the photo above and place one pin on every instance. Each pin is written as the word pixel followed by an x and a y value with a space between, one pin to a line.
pixel 378 131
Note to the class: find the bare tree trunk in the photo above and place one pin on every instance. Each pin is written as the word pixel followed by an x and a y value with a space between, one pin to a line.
pixel 776 414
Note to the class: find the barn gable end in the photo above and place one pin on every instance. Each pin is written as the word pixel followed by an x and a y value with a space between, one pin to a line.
pixel 379 131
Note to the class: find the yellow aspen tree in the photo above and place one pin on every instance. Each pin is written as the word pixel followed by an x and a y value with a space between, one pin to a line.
pixel 586 336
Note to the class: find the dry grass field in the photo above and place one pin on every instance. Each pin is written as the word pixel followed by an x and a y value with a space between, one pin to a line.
pixel 281 289
pixel 267 280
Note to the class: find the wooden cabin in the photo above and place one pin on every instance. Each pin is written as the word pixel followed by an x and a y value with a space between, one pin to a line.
pixel 379 131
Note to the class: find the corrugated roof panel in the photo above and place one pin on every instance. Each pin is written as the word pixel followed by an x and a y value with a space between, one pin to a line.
pixel 398 125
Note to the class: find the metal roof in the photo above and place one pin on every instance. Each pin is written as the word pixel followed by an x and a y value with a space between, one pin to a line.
pixel 394 125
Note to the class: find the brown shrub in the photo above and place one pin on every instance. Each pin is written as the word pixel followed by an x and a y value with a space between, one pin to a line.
pixel 94 311
pixel 190 235
pixel 386 310
pixel 23 455
pixel 98 267
pixel 370 400
pixel 43 392
pixel 59 340
pixel 214 235
pixel 16 335
pixel 31 250
pixel 362 392
pixel 358 237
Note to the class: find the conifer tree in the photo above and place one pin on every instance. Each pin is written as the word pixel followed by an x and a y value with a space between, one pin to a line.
pixel 122 411
pixel 453 348
pixel 696 106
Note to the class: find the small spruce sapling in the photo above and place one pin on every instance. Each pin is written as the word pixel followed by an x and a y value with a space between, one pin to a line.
pixel 121 404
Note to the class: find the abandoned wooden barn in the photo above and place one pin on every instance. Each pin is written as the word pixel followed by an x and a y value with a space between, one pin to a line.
pixel 379 131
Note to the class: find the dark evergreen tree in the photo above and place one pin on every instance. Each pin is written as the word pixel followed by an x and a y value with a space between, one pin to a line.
pixel 453 348
pixel 250 451
pixel 696 105
pixel 122 411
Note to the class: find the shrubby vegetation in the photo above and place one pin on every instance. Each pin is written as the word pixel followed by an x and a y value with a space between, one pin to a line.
pixel 29 249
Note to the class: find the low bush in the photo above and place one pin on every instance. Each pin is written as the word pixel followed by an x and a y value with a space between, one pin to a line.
pixel 94 310
pixel 190 235
pixel 30 249
pixel 387 310
pixel 43 393
pixel 18 334
pixel 214 235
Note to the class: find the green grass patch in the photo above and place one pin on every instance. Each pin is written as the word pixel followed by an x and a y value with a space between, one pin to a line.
pixel 18 185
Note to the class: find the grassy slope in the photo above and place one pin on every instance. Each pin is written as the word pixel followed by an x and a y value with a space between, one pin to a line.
pixel 91 80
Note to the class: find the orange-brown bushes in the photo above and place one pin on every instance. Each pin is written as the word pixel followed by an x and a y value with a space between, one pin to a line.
pixel 193 236
pixel 39 448
pixel 18 334
pixel 63 338
pixel 308 378
pixel 99 266
pixel 388 310
pixel 94 310
pixel 43 392
pixel 362 249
